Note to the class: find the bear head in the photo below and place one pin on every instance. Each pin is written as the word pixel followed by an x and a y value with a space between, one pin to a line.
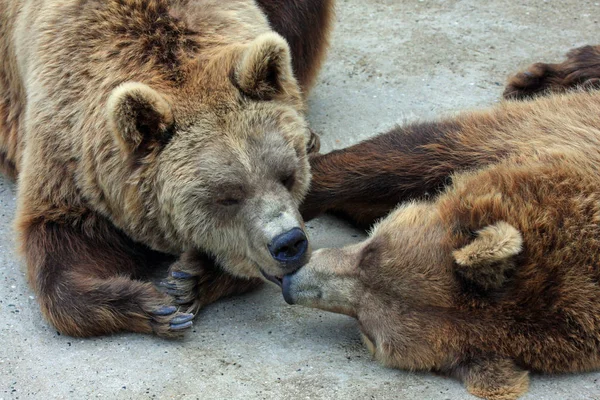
pixel 403 282
pixel 217 163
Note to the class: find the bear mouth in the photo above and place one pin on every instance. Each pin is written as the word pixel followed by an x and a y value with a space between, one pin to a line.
pixel 272 278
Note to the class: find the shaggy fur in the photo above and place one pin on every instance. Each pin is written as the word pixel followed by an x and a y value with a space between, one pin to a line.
pixel 581 69
pixel 305 24
pixel 143 126
pixel 416 161
pixel 495 275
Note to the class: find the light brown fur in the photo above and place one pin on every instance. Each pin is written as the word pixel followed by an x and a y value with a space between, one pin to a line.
pixel 498 274
pixel 140 126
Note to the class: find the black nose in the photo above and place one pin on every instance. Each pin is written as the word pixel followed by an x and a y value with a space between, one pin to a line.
pixel 289 247
pixel 286 283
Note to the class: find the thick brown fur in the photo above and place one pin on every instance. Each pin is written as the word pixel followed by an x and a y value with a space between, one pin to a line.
pixel 497 271
pixel 417 161
pixel 406 163
pixel 580 70
pixel 138 128
pixel 305 24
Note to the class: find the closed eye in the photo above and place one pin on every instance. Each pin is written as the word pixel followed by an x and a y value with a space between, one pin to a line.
pixel 288 181
pixel 229 201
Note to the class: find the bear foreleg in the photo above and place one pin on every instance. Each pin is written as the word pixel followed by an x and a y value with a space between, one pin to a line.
pixel 580 70
pixel 195 282
pixel 366 181
pixel 82 272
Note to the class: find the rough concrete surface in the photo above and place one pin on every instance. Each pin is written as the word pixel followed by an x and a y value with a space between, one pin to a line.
pixel 390 61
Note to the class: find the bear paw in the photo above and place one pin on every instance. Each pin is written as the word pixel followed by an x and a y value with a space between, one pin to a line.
pixel 581 71
pixel 184 287
pixel 168 322
pixel 530 83
pixel 195 281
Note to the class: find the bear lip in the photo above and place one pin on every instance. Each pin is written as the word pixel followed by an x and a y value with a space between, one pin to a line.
pixel 271 278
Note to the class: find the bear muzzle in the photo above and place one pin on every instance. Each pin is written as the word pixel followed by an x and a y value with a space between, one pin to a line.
pixel 290 250
pixel 327 282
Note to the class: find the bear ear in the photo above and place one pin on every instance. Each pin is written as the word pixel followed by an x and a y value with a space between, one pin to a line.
pixel 265 68
pixel 486 260
pixel 140 117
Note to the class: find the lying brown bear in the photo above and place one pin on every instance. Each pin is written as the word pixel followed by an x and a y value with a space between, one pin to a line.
pixel 493 270
pixel 143 128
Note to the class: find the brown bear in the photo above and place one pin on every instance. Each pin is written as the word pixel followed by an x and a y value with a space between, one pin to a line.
pixel 393 168
pixel 493 270
pixel 139 129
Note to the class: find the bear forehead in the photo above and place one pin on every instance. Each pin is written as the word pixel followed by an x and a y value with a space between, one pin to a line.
pixel 268 152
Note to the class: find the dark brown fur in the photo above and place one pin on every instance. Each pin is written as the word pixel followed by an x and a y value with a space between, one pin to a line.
pixel 82 268
pixel 305 24
pixel 366 181
pixel 581 69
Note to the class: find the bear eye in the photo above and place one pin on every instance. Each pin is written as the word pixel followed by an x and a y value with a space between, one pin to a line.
pixel 288 181
pixel 228 201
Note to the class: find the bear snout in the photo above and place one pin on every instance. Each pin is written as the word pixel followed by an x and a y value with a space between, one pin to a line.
pixel 289 249
pixel 297 290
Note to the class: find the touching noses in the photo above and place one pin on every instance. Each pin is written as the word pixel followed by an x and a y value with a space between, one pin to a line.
pixel 289 249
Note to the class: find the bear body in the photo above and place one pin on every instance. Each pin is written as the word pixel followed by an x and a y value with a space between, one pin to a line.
pixel 143 128
pixel 493 268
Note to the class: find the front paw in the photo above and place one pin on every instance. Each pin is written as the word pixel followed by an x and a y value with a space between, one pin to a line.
pixel 537 79
pixel 183 283
pixel 168 322
pixel 581 70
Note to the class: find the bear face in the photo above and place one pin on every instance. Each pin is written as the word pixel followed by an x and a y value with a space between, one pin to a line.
pixel 221 171
pixel 408 271
pixel 402 286
pixel 393 283
pixel 404 266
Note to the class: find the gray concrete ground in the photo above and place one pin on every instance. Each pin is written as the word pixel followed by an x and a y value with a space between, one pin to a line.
pixel 390 61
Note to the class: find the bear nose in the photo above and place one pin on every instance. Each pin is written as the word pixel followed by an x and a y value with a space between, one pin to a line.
pixel 289 248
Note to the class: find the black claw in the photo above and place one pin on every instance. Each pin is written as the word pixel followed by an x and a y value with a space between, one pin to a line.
pixel 182 301
pixel 164 310
pixel 168 285
pixel 175 292
pixel 181 275
pixel 179 327
pixel 528 74
pixel 181 319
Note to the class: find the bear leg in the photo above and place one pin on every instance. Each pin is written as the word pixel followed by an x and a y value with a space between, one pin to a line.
pixel 195 282
pixel 580 70
pixel 494 378
pixel 366 181
pixel 306 25
pixel 82 272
